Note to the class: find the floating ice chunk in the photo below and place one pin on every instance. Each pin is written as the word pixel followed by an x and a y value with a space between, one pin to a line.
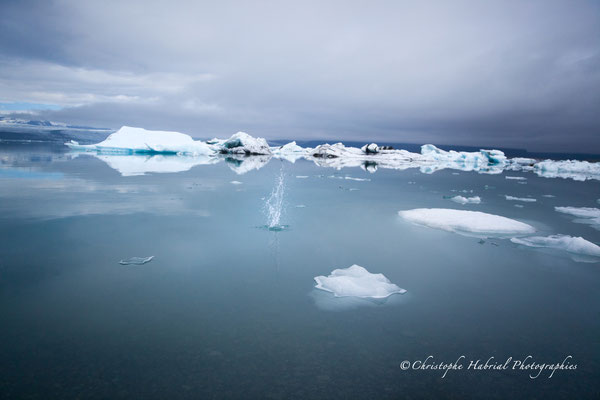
pixel 350 178
pixel 523 161
pixel 242 143
pixel 356 281
pixel 370 148
pixel 136 260
pixel 235 182
pixel 587 215
pixel 129 140
pixel 481 157
pixel 577 170
pixel 516 178
pixel 301 176
pixel 519 205
pixel 575 245
pixel 527 199
pixel 290 152
pixel 548 195
pixel 468 223
pixel 466 200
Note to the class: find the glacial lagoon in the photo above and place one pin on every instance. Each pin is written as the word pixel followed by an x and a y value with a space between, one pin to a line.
pixel 228 308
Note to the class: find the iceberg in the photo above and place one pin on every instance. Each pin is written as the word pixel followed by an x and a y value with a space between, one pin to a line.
pixel 290 152
pixel 242 143
pixel 466 200
pixel 575 245
pixel 468 223
pixel 492 157
pixel 574 169
pixel 527 199
pixel 129 140
pixel 136 260
pixel 356 281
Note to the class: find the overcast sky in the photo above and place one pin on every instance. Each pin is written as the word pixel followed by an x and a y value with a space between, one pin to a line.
pixel 486 73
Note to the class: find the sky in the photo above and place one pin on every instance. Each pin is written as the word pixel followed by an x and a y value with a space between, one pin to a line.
pixel 505 73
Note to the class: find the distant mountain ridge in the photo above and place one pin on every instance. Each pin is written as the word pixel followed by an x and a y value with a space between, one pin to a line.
pixel 30 130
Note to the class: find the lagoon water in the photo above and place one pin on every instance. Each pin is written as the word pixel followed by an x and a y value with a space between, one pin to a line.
pixel 228 309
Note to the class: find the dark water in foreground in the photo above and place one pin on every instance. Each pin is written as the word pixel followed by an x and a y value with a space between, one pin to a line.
pixel 228 310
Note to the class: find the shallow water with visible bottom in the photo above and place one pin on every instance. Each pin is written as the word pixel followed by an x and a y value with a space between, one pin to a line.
pixel 228 309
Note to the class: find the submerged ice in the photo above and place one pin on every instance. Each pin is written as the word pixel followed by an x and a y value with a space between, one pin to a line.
pixel 470 223
pixel 356 281
pixel 136 260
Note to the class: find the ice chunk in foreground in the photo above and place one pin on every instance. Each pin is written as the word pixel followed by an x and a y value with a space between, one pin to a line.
pixel 575 245
pixel 129 140
pixel 527 199
pixel 356 281
pixel 136 260
pixel 468 223
pixel 466 200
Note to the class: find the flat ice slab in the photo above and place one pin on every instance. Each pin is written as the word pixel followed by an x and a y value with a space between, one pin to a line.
pixel 356 281
pixel 470 223
pixel 575 245
pixel 527 199
pixel 466 200
pixel 136 260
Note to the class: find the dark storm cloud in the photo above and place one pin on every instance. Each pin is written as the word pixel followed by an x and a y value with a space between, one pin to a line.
pixel 505 73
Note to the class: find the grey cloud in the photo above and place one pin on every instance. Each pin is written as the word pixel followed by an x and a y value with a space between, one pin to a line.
pixel 502 73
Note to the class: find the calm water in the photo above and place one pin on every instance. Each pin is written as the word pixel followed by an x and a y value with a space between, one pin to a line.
pixel 227 309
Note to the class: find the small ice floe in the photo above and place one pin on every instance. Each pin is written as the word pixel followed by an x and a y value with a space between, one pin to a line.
pixel 350 178
pixel 300 206
pixel 356 281
pixel 527 199
pixel 519 205
pixel 586 215
pixel 467 223
pixel 301 176
pixel 456 173
pixel 550 196
pixel 466 200
pixel 516 178
pixel 235 182
pixel 136 260
pixel 522 182
pixel 574 245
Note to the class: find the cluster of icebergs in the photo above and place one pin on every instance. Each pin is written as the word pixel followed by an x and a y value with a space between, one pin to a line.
pixel 142 144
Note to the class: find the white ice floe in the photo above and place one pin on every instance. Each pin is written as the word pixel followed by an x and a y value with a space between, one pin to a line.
pixel 128 140
pixel 469 223
pixel 301 176
pixel 573 169
pixel 516 178
pixel 575 245
pixel 466 200
pixel 550 196
pixel 356 281
pixel 235 182
pixel 527 199
pixel 585 215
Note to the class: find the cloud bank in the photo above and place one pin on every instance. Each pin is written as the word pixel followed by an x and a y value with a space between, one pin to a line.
pixel 497 73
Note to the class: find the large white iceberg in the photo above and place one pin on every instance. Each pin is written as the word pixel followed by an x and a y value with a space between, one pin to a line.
pixel 575 245
pixel 469 223
pixel 356 281
pixel 129 140
pixel 290 152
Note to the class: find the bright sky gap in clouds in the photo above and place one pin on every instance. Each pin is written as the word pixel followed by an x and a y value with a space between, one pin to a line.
pixel 486 73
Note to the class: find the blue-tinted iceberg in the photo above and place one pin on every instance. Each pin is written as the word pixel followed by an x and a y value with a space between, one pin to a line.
pixel 242 143
pixel 468 223
pixel 356 281
pixel 573 169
